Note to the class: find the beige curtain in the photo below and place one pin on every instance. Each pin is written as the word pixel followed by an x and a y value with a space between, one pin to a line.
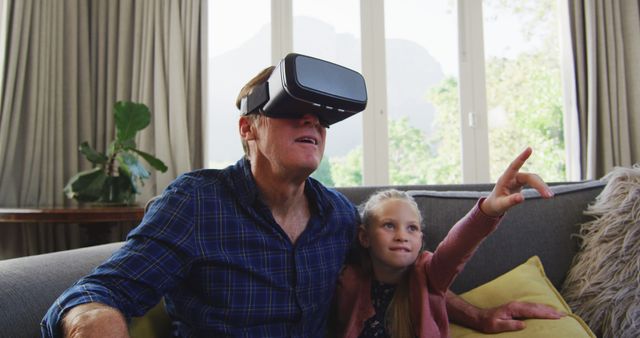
pixel 606 48
pixel 67 63
pixel 4 4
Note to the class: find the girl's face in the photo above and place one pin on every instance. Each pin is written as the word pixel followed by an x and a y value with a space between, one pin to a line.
pixel 394 239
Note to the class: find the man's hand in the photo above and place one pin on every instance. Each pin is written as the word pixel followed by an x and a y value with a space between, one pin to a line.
pixel 94 320
pixel 506 317
pixel 506 192
pixel 509 317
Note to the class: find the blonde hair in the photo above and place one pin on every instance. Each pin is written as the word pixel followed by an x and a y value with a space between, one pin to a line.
pixel 260 78
pixel 398 315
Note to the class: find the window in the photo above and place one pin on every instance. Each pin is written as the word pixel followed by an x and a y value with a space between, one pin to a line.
pixel 523 79
pixel 330 30
pixel 239 47
pixel 422 92
pixel 456 88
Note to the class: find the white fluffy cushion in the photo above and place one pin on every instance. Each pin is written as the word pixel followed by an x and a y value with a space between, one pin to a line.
pixel 603 284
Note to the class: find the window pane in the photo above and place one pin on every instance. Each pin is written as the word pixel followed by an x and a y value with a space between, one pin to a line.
pixel 330 30
pixel 422 89
pixel 524 90
pixel 239 48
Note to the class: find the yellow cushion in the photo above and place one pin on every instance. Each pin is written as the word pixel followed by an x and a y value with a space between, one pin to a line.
pixel 528 283
pixel 154 324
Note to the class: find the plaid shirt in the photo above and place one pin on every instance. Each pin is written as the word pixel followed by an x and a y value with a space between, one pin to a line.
pixel 225 267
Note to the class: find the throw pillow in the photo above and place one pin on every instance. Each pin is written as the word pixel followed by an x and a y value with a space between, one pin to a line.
pixel 154 324
pixel 602 285
pixel 526 282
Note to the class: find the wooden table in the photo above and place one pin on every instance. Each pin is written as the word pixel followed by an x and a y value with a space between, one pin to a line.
pixel 97 220
pixel 71 215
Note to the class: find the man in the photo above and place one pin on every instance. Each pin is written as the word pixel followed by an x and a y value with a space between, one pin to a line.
pixel 251 250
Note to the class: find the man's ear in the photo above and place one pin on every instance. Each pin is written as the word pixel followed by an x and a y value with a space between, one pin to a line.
pixel 245 126
pixel 363 236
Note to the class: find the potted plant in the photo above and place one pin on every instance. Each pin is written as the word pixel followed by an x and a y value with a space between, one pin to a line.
pixel 117 173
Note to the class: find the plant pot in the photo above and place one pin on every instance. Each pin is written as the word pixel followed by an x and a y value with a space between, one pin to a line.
pixel 116 191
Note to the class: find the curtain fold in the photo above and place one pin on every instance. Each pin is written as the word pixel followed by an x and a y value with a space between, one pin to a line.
pixel 67 63
pixel 605 44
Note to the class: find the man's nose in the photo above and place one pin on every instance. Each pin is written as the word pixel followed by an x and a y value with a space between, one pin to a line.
pixel 313 120
pixel 310 118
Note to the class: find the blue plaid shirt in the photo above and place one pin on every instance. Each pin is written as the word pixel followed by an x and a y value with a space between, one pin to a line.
pixel 225 267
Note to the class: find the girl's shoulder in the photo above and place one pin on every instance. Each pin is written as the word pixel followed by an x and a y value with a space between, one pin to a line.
pixel 423 260
pixel 351 272
pixel 424 257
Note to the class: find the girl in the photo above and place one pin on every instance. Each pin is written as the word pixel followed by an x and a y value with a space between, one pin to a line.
pixel 394 288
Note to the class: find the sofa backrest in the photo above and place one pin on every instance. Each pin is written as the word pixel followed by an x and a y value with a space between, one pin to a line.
pixel 29 285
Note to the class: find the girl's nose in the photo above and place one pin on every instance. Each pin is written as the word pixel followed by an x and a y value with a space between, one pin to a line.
pixel 401 236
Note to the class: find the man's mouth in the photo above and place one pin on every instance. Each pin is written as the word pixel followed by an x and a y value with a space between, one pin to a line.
pixel 307 139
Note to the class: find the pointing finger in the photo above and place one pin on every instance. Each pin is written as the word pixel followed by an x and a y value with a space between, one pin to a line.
pixel 535 182
pixel 516 164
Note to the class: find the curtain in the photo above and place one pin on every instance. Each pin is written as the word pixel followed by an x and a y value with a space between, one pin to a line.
pixel 606 46
pixel 67 63
pixel 3 38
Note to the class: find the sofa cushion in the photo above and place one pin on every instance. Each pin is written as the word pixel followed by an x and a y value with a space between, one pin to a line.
pixel 534 227
pixel 29 285
pixel 603 283
pixel 527 282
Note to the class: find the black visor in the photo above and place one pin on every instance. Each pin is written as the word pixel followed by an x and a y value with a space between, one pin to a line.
pixel 302 84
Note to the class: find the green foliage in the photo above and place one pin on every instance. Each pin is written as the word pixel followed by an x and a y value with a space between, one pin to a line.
pixel 408 153
pixel 116 174
pixel 525 109
pixel 323 173
pixel 524 96
pixel 445 163
pixel 411 159
pixel 347 171
pixel 526 93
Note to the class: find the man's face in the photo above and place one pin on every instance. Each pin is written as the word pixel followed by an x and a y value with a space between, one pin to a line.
pixel 289 145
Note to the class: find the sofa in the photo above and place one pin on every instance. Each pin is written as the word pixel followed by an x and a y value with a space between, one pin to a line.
pixel 537 227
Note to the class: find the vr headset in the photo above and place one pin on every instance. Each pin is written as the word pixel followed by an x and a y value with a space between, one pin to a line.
pixel 302 84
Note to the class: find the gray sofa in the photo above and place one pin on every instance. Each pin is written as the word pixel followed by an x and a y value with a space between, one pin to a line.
pixel 29 285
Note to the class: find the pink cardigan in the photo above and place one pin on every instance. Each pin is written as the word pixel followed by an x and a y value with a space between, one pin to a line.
pixel 429 280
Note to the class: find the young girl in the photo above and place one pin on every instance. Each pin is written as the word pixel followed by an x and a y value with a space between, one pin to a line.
pixel 394 288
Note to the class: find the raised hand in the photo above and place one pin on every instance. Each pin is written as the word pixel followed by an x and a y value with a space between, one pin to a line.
pixel 507 191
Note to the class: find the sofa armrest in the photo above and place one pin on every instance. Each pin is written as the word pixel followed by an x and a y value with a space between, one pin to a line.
pixel 29 285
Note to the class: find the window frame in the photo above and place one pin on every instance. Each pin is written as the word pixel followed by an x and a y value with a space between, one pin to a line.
pixel 472 88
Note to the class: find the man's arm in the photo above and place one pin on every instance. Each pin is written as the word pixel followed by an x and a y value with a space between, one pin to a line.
pixel 506 317
pixel 94 320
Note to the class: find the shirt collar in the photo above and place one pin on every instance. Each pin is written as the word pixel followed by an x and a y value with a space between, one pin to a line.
pixel 246 190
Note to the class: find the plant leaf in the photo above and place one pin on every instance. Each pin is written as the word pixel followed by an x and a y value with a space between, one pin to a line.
pixel 130 117
pixel 152 160
pixel 92 155
pixel 133 170
pixel 86 186
pixel 124 172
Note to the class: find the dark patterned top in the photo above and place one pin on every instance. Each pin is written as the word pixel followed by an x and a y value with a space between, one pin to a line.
pixel 381 295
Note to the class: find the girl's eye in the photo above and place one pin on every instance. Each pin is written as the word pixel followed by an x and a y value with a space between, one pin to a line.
pixel 388 225
pixel 413 228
